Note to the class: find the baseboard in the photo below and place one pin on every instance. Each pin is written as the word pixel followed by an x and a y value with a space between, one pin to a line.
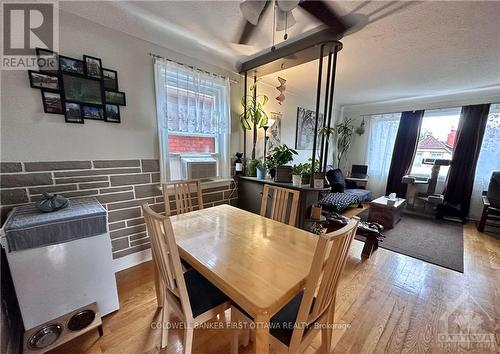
pixel 131 260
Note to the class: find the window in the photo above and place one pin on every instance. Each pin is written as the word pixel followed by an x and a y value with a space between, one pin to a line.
pixel 193 119
pixel 383 130
pixel 436 141
pixel 488 160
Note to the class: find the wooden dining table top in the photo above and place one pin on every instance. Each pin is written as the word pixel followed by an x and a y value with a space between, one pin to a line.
pixel 259 263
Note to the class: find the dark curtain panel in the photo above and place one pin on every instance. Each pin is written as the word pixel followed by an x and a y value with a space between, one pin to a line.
pixel 404 151
pixel 460 179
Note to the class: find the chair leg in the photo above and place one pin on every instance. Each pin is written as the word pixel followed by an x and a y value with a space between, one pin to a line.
pixel 235 340
pixel 188 339
pixel 482 222
pixel 327 331
pixel 165 318
pixel 160 293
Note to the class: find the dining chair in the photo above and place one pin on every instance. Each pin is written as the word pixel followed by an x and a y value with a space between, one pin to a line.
pixel 187 294
pixel 312 310
pixel 183 196
pixel 280 204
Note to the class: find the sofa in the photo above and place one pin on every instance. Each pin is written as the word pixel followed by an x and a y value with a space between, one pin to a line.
pixel 343 193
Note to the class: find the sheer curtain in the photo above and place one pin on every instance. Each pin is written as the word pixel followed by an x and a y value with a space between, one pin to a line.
pixel 383 130
pixel 192 102
pixel 489 160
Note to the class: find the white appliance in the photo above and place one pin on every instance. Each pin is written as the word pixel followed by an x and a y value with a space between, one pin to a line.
pixel 60 261
pixel 199 167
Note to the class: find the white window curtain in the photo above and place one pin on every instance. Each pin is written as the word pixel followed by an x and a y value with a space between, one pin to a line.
pixel 189 101
pixel 488 161
pixel 383 130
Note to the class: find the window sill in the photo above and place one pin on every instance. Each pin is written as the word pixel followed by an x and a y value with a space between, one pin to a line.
pixel 219 182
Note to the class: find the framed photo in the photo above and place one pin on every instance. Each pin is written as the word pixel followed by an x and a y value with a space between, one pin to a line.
pixel 82 89
pixel 48 61
pixel 110 78
pixel 274 133
pixel 115 97
pixel 52 102
pixel 43 81
pixel 92 112
pixel 304 135
pixel 73 113
pixel 93 67
pixel 71 65
pixel 112 113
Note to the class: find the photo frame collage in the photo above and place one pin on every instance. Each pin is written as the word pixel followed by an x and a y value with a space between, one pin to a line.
pixel 78 89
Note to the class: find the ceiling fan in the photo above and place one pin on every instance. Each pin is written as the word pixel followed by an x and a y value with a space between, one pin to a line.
pixel 253 11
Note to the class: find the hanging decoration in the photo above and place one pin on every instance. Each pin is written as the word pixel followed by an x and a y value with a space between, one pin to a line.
pixel 281 88
pixel 361 129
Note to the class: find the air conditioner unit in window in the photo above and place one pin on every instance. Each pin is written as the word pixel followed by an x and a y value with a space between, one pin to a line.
pixel 199 167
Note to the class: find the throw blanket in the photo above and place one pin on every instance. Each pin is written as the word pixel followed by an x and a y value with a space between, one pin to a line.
pixel 337 202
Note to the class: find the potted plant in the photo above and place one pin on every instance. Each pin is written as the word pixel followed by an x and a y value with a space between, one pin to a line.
pixel 343 133
pixel 253 117
pixel 297 171
pixel 282 155
pixel 271 167
pixel 261 169
pixel 306 174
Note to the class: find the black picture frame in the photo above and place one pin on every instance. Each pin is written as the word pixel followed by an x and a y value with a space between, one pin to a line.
pixel 115 97
pixel 90 69
pixel 89 112
pixel 69 65
pixel 35 82
pixel 82 89
pixel 47 61
pixel 73 115
pixel 111 114
pixel 50 105
pixel 110 84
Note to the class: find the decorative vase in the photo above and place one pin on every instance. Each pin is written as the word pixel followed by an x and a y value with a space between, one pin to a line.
pixel 261 173
pixel 306 179
pixel 251 170
pixel 319 180
pixel 297 180
pixel 283 174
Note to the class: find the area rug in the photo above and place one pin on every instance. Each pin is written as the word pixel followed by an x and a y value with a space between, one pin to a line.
pixel 435 241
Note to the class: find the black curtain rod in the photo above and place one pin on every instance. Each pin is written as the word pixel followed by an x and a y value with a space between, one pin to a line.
pixel 156 56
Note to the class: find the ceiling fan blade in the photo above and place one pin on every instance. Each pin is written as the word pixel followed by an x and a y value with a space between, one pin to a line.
pixel 284 18
pixel 323 13
pixel 246 33
pixel 249 9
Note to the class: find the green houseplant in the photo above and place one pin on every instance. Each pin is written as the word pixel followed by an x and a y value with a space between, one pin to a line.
pixel 282 155
pixel 261 169
pixel 253 117
pixel 308 170
pixel 342 132
pixel 297 171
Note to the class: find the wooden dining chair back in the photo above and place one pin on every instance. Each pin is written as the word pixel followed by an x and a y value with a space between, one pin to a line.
pixel 187 294
pixel 318 301
pixel 184 199
pixel 284 204
pixel 166 256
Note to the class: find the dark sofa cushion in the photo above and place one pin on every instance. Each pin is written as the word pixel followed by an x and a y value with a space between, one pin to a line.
pixel 336 180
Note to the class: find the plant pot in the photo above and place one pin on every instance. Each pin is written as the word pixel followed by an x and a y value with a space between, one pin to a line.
pixel 297 180
pixel 251 170
pixel 306 179
pixel 283 174
pixel 319 180
pixel 261 173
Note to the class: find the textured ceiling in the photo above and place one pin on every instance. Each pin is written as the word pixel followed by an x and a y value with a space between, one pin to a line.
pixel 424 49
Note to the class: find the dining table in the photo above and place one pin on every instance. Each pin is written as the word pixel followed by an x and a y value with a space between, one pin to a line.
pixel 259 263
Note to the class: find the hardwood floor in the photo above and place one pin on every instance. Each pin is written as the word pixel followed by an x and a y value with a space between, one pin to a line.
pixel 388 303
